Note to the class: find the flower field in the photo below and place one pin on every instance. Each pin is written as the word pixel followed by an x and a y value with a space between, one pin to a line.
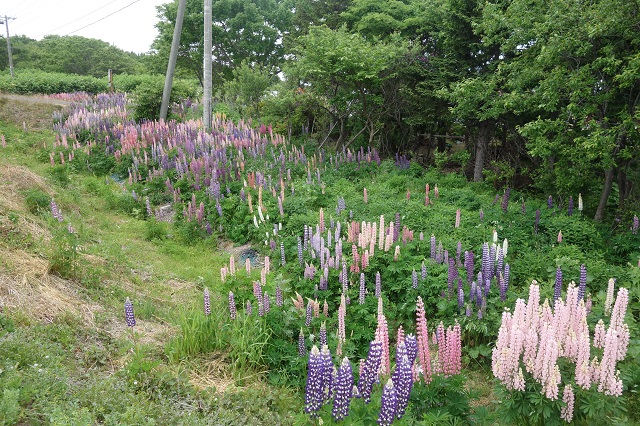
pixel 380 287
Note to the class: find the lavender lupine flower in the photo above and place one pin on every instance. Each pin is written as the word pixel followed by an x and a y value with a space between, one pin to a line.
pixel 309 312
pixel 378 290
pixel 370 369
pixel 266 302
pixel 414 279
pixel 128 313
pixel 481 215
pixel 468 264
pixel 537 222
pixel 300 256
pixel 570 208
pixel 411 343
pixel 423 271
pixel 248 309
pixel 343 389
pixel 314 396
pixel 583 282
pixel 207 302
pixel 389 405
pixel 283 261
pixel 460 293
pixel 468 311
pixel 279 298
pixel 452 275
pixel 550 202
pixel 363 290
pixel 55 211
pixel 322 335
pixel 505 281
pixel 634 226
pixel 302 349
pixel 505 200
pixel 232 306
pixel 433 247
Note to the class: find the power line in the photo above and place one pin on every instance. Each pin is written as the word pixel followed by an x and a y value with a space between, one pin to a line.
pixel 103 18
pixel 76 20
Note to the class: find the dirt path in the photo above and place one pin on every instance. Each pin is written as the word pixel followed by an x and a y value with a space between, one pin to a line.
pixel 33 112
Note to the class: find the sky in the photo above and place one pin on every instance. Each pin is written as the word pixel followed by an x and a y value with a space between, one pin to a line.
pixel 131 26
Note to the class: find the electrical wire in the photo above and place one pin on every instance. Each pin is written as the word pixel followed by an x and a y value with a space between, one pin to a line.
pixel 103 18
pixel 76 20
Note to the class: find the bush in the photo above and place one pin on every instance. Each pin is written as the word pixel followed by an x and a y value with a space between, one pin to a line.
pixel 40 82
pixel 37 201
pixel 148 97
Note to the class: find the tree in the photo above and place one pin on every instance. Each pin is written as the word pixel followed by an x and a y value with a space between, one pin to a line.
pixel 247 88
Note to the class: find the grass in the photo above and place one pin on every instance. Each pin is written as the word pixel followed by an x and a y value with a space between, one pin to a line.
pixel 67 356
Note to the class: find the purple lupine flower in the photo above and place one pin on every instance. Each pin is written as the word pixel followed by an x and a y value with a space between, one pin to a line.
pixel 550 202
pixel 481 215
pixel 523 208
pixel 279 298
pixel 505 200
pixel 411 343
pixel 414 279
pixel 557 288
pixel 634 226
pixel 583 282
pixel 479 314
pixel 423 271
pixel 314 397
pixel 55 211
pixel 468 311
pixel 207 228
pixel 329 373
pixel 389 405
pixel 322 335
pixel 300 256
pixel 452 275
pixel 485 261
pixel 378 291
pixel 128 313
pixel 363 289
pixel 343 389
pixel 207 302
pixel 302 349
pixel 468 264
pixel 248 309
pixel 458 253
pixel 504 282
pixel 537 222
pixel 232 306
pixel 500 260
pixel 243 196
pixel 433 247
pixel 396 228
pixel 370 369
pixel 266 302
pixel 283 261
pixel 309 313
pixel 495 200
pixel 570 208
pixel 492 263
pixel 402 380
pixel 460 295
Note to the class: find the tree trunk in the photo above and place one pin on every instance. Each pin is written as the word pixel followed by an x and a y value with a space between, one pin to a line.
pixel 604 197
pixel 481 150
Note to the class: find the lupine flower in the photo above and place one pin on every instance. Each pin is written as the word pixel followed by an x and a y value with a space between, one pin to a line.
pixel 343 390
pixel 232 306
pixel 207 302
pixel 423 341
pixel 314 397
pixel 634 226
pixel 570 208
pixel 279 298
pixel 325 309
pixel 583 282
pixel 609 300
pixel 423 271
pixel 433 247
pixel 402 380
pixel 580 205
pixel 322 335
pixel 248 309
pixel 300 255
pixel 308 313
pixel 365 196
pixel 342 309
pixel 457 224
pixel 128 313
pixel 559 237
pixel 363 289
pixel 557 288
pixel 550 202
pixel 566 412
pixel 388 405
pixel 481 215
pixel 378 290
pixel 414 279
pixel 382 334
pixel 283 261
pixel 302 350
pixel 505 200
pixel 55 211
pixel 412 347
pixel 370 369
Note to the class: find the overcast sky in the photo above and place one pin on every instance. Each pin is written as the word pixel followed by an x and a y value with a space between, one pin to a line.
pixel 130 26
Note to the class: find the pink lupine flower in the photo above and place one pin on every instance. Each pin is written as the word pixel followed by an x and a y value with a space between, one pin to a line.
pixel 382 335
pixel 365 196
pixel 457 225
pixel 559 237
pixel 423 341
pixel 400 336
pixel 342 310
pixel 566 412
pixel 609 300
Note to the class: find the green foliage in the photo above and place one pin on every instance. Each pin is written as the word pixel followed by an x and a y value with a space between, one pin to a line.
pixel 63 257
pixel 36 81
pixel 147 96
pixel 37 201
pixel 155 230
pixel 9 406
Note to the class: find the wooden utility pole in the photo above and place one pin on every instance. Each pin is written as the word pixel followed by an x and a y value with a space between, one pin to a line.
pixel 6 23
pixel 173 57
pixel 206 96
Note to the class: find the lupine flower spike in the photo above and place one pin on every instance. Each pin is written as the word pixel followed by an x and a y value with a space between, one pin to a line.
pixel 128 313
pixel 207 302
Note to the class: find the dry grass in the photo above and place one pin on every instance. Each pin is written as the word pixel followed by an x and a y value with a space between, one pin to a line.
pixel 212 372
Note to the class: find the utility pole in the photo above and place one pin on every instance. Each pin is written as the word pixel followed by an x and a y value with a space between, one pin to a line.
pixel 173 57
pixel 5 20
pixel 206 97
